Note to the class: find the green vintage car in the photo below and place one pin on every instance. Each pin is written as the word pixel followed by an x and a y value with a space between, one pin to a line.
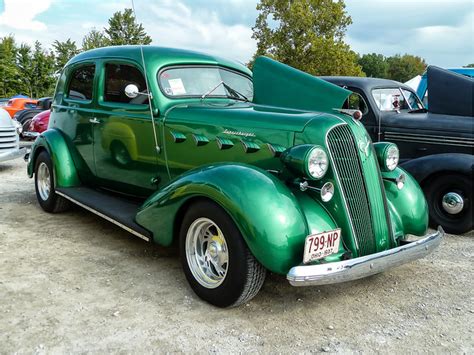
pixel 247 172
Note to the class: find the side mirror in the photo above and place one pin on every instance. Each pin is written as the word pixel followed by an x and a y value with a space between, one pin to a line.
pixel 131 90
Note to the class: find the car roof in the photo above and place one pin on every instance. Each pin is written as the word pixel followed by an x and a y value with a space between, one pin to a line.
pixel 367 84
pixel 158 56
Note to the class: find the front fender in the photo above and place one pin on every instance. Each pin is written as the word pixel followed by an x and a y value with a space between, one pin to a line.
pixel 407 206
pixel 53 141
pixel 265 210
pixel 422 168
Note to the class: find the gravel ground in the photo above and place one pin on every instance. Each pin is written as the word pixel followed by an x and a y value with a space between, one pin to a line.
pixel 73 282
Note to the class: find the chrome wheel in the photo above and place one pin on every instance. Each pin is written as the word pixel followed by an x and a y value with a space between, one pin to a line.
pixel 43 181
pixel 207 253
pixel 453 203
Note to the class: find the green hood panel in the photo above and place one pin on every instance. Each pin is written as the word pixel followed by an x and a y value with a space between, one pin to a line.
pixel 277 84
pixel 242 115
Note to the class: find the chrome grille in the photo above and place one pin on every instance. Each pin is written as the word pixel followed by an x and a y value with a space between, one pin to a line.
pixel 8 138
pixel 348 168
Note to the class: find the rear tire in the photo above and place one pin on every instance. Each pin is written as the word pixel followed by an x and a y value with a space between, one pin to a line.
pixel 47 197
pixel 459 186
pixel 216 261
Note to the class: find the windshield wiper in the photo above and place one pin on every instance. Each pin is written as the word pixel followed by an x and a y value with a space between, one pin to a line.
pixel 233 94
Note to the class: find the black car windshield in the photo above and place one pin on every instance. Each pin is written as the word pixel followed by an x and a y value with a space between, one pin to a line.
pixel 199 81
pixel 395 99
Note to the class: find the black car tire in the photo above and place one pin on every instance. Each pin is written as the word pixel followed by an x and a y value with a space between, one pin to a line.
pixel 244 274
pixel 436 188
pixel 27 116
pixel 51 201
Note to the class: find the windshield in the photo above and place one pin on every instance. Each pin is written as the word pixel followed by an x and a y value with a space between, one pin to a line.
pixel 395 99
pixel 198 81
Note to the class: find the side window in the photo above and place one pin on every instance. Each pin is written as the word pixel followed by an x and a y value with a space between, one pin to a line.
pixel 117 77
pixel 82 82
pixel 356 102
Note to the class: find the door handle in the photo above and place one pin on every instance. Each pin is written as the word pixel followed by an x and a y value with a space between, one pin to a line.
pixel 94 120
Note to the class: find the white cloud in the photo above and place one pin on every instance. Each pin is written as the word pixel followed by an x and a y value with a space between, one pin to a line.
pixel 174 24
pixel 20 14
pixel 440 31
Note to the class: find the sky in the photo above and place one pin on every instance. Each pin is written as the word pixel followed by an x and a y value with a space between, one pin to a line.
pixel 440 31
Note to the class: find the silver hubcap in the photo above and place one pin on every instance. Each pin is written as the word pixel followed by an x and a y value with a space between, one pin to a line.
pixel 207 253
pixel 43 181
pixel 453 203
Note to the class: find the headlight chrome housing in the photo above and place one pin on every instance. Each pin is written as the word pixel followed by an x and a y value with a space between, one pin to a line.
pixel 387 155
pixel 317 163
pixel 308 160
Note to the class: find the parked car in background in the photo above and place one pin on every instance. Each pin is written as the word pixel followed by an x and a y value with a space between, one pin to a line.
pixel 25 116
pixel 37 125
pixel 18 104
pixel 436 145
pixel 9 138
pixel 246 172
pixel 422 89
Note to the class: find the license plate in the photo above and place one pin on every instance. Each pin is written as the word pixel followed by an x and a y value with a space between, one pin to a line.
pixel 318 246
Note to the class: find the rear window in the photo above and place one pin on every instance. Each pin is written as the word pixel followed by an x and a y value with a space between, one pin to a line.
pixel 82 82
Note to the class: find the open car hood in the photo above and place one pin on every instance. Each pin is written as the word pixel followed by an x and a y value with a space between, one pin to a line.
pixel 277 84
pixel 449 93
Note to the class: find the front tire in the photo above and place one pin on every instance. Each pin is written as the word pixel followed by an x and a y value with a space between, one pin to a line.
pixel 450 202
pixel 47 197
pixel 216 261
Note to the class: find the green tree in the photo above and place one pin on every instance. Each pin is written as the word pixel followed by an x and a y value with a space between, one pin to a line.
pixel 374 65
pixel 123 29
pixel 94 39
pixel 403 68
pixel 10 82
pixel 25 68
pixel 63 51
pixel 43 72
pixel 469 66
pixel 306 34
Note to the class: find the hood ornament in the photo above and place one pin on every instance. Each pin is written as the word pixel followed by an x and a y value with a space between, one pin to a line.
pixel 364 145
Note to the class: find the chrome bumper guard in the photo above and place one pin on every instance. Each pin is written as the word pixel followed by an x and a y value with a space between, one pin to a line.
pixel 357 268
pixel 30 135
pixel 12 154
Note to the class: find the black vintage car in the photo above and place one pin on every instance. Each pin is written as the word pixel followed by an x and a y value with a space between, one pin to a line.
pixel 436 145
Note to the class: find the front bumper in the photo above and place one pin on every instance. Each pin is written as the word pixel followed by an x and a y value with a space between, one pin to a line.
pixel 357 268
pixel 12 154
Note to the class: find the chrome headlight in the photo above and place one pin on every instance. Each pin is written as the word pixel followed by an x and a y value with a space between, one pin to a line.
pixel 387 155
pixel 317 163
pixel 392 156
pixel 306 160
pixel 18 126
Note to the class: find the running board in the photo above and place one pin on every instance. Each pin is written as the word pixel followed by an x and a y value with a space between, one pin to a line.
pixel 114 209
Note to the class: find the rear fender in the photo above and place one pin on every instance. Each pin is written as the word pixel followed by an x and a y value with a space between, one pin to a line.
pixel 53 141
pixel 267 213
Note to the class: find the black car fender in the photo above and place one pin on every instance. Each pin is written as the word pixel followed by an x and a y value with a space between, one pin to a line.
pixel 425 167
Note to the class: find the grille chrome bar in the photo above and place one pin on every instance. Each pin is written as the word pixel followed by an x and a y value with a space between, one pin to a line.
pixel 348 168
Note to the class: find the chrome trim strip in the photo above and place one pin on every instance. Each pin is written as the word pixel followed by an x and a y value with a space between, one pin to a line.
pixel 357 268
pixel 429 141
pixel 427 135
pixel 128 229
